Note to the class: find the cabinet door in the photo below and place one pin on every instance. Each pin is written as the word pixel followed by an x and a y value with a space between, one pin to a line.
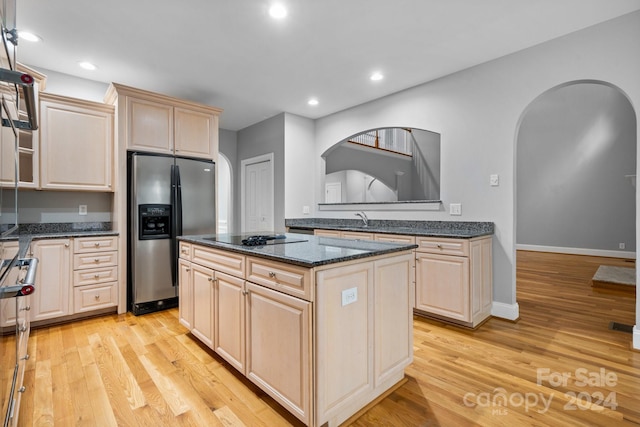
pixel 278 329
pixel 149 126
pixel 442 285
pixel 202 280
pixel 229 336
pixel 53 279
pixel 185 290
pixel 356 235
pixel 195 133
pixel 327 233
pixel 76 145
pixel 392 316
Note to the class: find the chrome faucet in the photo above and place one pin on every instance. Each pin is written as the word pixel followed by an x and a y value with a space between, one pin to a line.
pixel 364 218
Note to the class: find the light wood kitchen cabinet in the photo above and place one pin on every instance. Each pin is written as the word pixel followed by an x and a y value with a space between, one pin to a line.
pixel 203 308
pixel 10 306
pixel 185 290
pixel 76 144
pixel 326 233
pixel 283 326
pixel 453 279
pixel 95 273
pixel 53 278
pixel 278 347
pixel 229 320
pixel 162 124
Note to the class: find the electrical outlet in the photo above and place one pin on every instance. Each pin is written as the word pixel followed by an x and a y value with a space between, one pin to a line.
pixel 82 210
pixel 349 296
pixel 494 180
pixel 455 209
pixel 306 210
pixel 622 245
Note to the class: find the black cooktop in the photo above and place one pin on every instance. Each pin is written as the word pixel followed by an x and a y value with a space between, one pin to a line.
pixel 255 240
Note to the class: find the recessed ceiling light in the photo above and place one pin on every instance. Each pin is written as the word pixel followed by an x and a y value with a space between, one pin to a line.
pixel 313 101
pixel 30 37
pixel 87 65
pixel 277 11
pixel 376 76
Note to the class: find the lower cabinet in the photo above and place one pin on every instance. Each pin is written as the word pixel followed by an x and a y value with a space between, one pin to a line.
pixel 294 335
pixel 53 279
pixel 454 279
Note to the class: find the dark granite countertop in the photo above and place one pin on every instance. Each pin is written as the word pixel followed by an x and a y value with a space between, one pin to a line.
pixel 452 229
pixel 312 252
pixel 60 230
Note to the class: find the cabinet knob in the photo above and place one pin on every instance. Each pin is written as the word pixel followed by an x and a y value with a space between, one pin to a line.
pixel 245 292
pixel 272 274
pixel 22 389
pixel 96 260
pixel 184 251
pixel 97 297
pixel 187 270
pixel 25 357
pixel 26 308
pixel 439 246
pixel 66 245
pixel 96 276
pixel 97 245
pixel 23 328
pixel 210 279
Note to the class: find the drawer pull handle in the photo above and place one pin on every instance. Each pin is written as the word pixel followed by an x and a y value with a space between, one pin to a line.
pixel 97 297
pixel 96 276
pixel 97 260
pixel 272 274
pixel 245 292
pixel 184 251
pixel 27 308
pixel 97 245
pixel 439 246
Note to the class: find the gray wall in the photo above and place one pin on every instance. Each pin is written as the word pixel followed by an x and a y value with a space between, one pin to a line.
pixel 575 146
pixel 258 139
pixel 426 165
pixel 62 206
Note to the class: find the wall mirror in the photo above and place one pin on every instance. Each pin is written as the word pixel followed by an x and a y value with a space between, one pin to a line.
pixel 383 166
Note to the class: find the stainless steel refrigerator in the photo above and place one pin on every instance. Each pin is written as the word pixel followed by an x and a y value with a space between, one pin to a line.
pixel 168 197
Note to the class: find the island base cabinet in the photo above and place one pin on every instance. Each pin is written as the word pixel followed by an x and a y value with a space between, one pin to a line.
pixel 278 331
pixel 229 335
pixel 358 363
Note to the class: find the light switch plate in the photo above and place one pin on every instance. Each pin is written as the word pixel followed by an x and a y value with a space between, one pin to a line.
pixel 82 209
pixel 494 180
pixel 306 210
pixel 455 209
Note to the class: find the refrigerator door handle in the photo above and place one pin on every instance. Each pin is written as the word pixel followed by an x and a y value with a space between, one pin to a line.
pixel 174 240
pixel 178 214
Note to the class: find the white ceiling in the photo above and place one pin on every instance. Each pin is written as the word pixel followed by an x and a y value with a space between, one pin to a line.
pixel 232 55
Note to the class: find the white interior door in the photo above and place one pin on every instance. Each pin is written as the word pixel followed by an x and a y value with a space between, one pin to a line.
pixel 333 192
pixel 257 198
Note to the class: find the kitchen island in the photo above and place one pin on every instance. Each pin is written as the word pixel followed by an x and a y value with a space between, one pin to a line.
pixel 323 325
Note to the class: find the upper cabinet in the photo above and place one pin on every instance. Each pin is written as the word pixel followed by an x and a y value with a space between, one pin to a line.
pixel 76 144
pixel 157 123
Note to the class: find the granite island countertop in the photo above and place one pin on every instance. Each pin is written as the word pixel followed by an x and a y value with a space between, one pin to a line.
pixel 451 229
pixel 312 251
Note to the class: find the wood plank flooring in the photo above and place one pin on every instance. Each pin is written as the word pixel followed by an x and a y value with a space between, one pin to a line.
pixel 148 371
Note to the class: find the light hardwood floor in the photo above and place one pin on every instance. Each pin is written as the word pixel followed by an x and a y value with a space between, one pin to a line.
pixel 148 371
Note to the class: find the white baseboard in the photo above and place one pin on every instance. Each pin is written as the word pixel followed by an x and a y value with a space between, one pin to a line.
pixel 578 251
pixel 505 311
pixel 636 337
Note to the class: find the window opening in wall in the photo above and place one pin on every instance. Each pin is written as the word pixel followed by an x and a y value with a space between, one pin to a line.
pixel 396 140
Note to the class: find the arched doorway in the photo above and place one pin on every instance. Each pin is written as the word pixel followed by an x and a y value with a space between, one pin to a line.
pixel 575 157
pixel 225 201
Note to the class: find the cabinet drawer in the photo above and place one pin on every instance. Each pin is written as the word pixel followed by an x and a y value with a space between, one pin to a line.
pixel 395 238
pixel 356 235
pixel 286 278
pixel 95 259
pixel 94 276
pixel 459 247
pixel 93 297
pixel 184 250
pixel 224 261
pixel 95 244
pixel 327 233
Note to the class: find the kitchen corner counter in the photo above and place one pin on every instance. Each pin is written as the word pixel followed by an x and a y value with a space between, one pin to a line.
pixel 451 229
pixel 314 251
pixel 28 232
